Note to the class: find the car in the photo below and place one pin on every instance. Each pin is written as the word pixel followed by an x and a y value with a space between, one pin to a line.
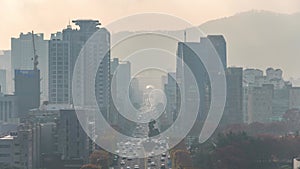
pixel 152 163
pixel 162 159
pixel 136 167
pixel 129 159
pixel 149 160
pixel 115 159
pixel 128 167
pixel 169 156
pixel 163 154
pixel 122 162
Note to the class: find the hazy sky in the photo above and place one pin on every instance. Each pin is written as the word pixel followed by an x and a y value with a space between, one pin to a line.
pixel 49 16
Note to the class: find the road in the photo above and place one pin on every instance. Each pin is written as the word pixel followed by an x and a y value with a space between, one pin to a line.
pixel 155 149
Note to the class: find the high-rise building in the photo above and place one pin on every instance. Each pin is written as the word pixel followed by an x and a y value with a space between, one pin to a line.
pixel 8 108
pixel 218 41
pixel 59 71
pixel 73 142
pixel 103 78
pixel 171 106
pixel 280 102
pixel 22 57
pixel 64 48
pixel 98 47
pixel 43 124
pixel 24 147
pixel 233 112
pixel 259 104
pixel 121 76
pixel 188 53
pixel 135 94
pixel 27 90
pixel 294 98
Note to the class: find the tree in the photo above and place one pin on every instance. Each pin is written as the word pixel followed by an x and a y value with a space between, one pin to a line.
pixel 236 151
pixel 90 166
pixel 101 158
pixel 153 131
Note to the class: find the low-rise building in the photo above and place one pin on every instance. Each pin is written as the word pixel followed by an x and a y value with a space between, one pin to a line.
pixel 11 151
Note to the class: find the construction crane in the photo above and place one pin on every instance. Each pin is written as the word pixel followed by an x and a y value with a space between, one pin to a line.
pixel 35 56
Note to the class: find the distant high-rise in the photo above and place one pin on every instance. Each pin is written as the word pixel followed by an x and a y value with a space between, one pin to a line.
pixel 27 90
pixel 284 96
pixel 121 75
pixel 3 81
pixel 256 78
pixel 280 102
pixel 259 104
pixel 135 94
pixel 5 64
pixel 171 106
pixel 22 57
pixel 233 113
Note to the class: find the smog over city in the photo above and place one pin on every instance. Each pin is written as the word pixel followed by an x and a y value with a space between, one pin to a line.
pixel 149 84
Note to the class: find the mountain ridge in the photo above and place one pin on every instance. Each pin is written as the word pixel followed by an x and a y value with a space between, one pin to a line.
pixel 260 39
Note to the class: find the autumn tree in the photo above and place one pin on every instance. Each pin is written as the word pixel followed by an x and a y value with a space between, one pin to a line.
pixel 101 158
pixel 90 166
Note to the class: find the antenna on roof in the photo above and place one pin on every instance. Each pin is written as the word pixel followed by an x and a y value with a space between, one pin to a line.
pixel 69 25
pixel 184 35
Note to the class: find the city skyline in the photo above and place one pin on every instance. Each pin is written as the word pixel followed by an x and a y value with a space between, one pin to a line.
pixel 137 84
